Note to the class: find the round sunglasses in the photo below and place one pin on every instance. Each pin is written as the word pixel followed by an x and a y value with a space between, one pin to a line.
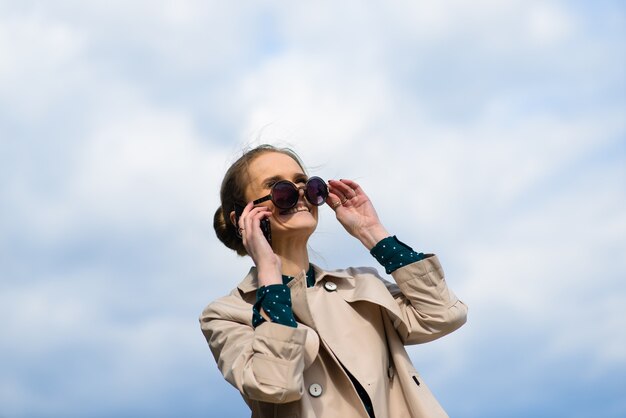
pixel 284 194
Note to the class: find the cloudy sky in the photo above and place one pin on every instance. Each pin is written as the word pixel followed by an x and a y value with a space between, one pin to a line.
pixel 492 133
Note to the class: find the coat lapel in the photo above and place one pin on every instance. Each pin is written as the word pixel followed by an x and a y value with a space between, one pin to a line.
pixel 370 287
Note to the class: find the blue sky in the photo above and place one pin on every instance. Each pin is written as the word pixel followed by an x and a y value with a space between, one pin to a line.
pixel 491 133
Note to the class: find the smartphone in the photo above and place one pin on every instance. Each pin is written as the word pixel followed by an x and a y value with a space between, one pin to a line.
pixel 265 223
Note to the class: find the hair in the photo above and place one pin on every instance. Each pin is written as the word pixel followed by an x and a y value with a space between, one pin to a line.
pixel 233 190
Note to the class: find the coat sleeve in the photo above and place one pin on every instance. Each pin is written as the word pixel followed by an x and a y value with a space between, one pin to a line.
pixel 428 309
pixel 265 363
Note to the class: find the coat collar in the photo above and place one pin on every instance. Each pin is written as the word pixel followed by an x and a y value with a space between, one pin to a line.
pixel 250 283
pixel 375 292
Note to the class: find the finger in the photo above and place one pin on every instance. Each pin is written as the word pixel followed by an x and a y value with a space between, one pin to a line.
pixel 333 201
pixel 251 234
pixel 341 188
pixel 335 188
pixel 340 197
pixel 354 186
pixel 244 214
pixel 343 191
pixel 246 221
pixel 254 216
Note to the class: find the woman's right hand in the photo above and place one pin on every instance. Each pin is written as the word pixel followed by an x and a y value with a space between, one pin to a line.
pixel 267 262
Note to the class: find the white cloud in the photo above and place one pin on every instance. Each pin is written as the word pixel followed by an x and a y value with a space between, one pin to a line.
pixel 549 24
pixel 38 53
pixel 482 131
pixel 306 98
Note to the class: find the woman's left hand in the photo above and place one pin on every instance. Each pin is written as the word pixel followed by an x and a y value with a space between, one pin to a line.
pixel 355 212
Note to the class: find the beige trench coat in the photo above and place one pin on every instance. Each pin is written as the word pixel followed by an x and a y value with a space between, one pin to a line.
pixel 351 320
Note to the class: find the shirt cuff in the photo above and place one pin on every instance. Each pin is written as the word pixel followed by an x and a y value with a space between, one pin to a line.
pixel 275 300
pixel 392 254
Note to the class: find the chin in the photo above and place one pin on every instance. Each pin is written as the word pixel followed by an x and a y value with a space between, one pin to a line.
pixel 294 226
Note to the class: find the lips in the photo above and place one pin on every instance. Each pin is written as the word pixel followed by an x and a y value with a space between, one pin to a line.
pixel 295 210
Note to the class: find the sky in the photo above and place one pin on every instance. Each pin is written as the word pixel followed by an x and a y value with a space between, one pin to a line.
pixel 492 133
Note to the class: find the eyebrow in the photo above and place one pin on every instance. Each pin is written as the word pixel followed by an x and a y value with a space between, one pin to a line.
pixel 274 179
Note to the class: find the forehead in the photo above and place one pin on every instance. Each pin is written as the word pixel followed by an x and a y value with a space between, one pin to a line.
pixel 273 164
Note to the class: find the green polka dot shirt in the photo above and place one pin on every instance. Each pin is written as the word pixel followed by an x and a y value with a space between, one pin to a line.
pixel 275 299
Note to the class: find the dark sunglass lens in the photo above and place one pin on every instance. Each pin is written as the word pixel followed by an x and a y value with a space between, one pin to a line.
pixel 316 191
pixel 284 195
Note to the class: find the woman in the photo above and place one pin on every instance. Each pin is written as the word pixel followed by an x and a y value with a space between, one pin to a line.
pixel 300 341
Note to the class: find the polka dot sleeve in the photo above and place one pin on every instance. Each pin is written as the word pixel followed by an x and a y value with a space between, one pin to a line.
pixel 275 300
pixel 392 254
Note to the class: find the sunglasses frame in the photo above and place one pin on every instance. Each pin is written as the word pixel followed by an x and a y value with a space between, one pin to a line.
pixel 271 195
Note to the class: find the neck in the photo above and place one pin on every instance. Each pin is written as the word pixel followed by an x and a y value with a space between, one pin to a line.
pixel 293 254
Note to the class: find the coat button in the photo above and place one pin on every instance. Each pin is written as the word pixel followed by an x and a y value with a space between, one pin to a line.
pixel 330 286
pixel 315 390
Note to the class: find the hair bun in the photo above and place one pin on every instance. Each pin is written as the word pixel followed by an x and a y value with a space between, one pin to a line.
pixel 226 232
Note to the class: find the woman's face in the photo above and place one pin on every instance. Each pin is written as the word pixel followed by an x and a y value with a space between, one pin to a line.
pixel 264 171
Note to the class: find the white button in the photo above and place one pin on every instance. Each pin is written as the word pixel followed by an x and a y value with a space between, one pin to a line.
pixel 315 390
pixel 330 286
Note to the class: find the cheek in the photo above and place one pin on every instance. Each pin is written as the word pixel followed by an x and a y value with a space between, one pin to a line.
pixel 255 191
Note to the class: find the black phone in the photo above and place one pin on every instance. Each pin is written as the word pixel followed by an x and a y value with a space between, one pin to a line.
pixel 265 223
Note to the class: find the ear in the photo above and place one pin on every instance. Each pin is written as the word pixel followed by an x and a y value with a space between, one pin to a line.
pixel 232 218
